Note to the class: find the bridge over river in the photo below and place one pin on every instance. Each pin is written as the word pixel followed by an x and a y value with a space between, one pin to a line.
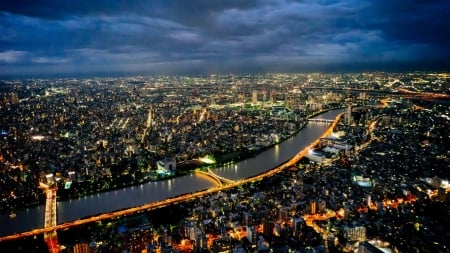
pixel 219 179
pixel 175 190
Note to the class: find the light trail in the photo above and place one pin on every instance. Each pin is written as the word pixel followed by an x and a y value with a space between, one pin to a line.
pixel 148 123
pixel 177 199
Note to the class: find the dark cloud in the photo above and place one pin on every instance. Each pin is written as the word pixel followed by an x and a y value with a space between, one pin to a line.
pixel 188 36
pixel 190 12
pixel 412 21
pixel 62 9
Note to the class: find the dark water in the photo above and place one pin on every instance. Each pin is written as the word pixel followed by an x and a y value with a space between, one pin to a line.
pixel 69 210
pixel 279 153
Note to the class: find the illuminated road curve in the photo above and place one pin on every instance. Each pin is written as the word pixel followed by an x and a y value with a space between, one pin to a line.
pixel 213 177
pixel 222 179
pixel 294 160
pixel 218 179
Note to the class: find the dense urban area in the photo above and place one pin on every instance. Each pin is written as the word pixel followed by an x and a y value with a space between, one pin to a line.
pixel 379 183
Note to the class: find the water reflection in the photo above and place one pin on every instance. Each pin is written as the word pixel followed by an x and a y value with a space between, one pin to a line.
pixel 276 151
pixel 169 184
pixel 154 191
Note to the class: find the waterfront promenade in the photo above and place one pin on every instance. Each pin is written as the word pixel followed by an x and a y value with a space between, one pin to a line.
pixel 177 199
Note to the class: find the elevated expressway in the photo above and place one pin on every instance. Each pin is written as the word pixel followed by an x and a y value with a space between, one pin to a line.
pixel 51 226
pixel 50 237
pixel 399 92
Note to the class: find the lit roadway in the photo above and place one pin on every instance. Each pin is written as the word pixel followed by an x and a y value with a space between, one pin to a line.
pixel 50 237
pixel 50 207
pixel 148 123
pixel 399 92
pixel 177 199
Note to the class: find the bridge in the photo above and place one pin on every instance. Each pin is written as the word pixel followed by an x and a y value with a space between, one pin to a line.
pixel 398 92
pixel 50 237
pixel 328 121
pixel 177 199
pixel 219 179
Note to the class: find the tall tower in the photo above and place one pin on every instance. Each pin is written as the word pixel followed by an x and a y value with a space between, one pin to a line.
pixel 313 206
pixel 348 114
pixel 272 97
pixel 254 96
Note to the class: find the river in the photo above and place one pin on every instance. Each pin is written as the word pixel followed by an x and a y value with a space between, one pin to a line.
pixel 31 218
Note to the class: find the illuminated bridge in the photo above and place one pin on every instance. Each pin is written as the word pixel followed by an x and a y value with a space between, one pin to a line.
pixel 398 92
pixel 50 237
pixel 219 179
pixel 50 214
pixel 329 121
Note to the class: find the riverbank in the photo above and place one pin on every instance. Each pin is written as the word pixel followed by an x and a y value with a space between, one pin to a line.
pixel 80 189
pixel 171 200
pixel 69 190
pixel 160 190
pixel 244 154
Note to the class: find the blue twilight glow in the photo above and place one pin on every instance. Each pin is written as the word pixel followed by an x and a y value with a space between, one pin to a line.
pixel 76 37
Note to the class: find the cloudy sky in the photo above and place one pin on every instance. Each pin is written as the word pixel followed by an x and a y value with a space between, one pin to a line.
pixel 84 37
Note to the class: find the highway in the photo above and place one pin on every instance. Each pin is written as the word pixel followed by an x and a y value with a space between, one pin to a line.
pixel 174 200
pixel 51 226
pixel 50 238
pixel 399 92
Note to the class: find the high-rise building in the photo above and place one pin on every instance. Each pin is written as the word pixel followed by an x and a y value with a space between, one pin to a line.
pixel 272 97
pixel 297 225
pixel 283 213
pixel 348 114
pixel 369 200
pixel 247 219
pixel 200 240
pixel 321 206
pixel 254 96
pixel 264 96
pixel 313 207
pixel 355 233
pixel 81 248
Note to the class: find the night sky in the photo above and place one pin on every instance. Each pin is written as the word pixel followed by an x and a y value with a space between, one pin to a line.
pixel 74 37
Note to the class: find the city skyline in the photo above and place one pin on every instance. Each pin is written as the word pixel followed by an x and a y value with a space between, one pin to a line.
pixel 82 38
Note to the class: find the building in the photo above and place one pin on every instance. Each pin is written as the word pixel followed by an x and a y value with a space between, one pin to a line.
pixel 247 219
pixel 321 206
pixel 254 96
pixel 366 247
pixel 81 248
pixel 348 115
pixel 200 240
pixel 297 225
pixel 222 245
pixel 313 207
pixel 167 165
pixel 355 233
pixel 50 179
pixel 283 213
